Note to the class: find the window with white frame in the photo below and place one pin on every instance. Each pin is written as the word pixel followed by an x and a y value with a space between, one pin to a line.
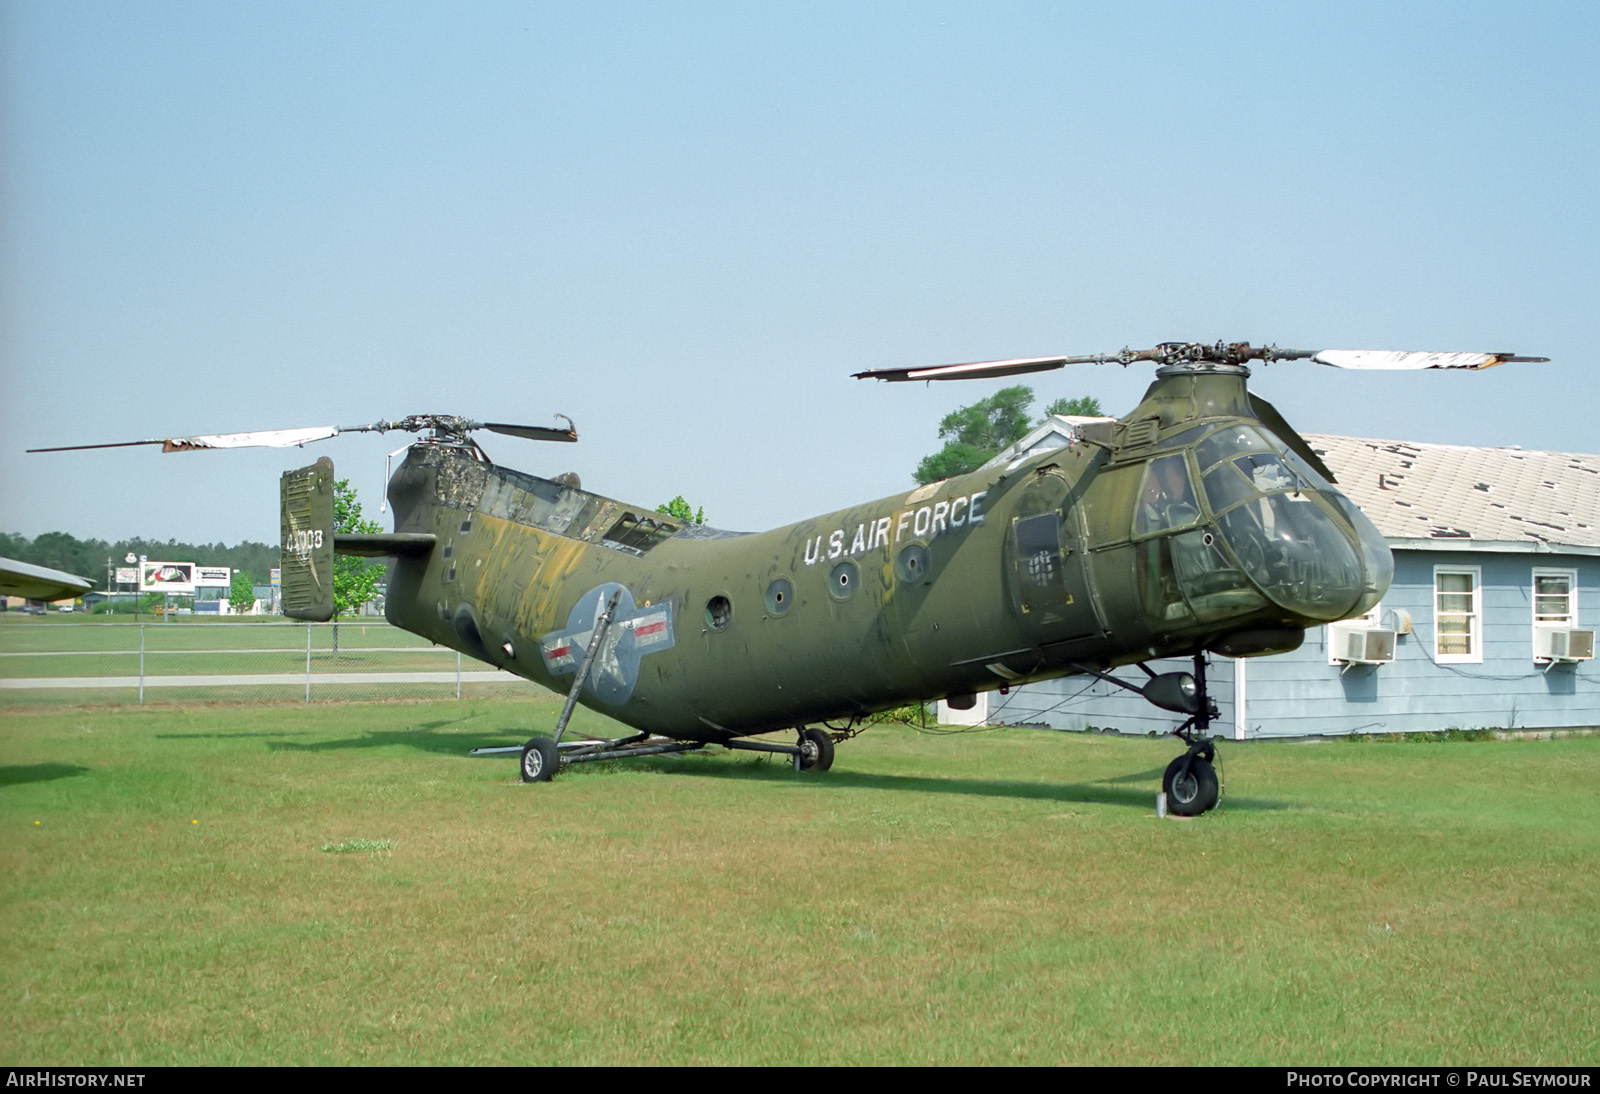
pixel 1555 601
pixel 1458 614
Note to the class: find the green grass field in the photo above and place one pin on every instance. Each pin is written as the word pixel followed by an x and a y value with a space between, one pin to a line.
pixel 341 883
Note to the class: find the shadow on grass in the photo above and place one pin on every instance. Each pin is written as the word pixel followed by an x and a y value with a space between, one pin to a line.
pixel 269 733
pixel 18 774
pixel 1135 790
pixel 1098 793
pixel 422 738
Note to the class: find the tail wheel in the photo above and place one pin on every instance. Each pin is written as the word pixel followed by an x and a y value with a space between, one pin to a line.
pixel 816 751
pixel 540 760
pixel 1191 786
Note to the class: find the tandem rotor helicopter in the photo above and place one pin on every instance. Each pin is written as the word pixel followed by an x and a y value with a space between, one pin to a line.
pixel 1198 523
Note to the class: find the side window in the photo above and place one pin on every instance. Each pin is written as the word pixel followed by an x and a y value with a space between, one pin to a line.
pixel 1555 609
pixel 1166 500
pixel 1458 615
pixel 1553 599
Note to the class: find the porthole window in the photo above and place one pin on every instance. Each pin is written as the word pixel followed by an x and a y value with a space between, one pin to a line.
pixel 780 594
pixel 911 564
pixel 842 579
pixel 719 609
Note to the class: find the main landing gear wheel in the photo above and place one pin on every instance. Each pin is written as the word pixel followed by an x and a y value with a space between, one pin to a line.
pixel 540 760
pixel 816 751
pixel 1191 786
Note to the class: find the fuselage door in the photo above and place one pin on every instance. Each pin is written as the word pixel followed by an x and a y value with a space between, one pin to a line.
pixel 1047 569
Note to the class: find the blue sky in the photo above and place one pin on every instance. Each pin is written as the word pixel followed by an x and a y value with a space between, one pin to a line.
pixel 685 225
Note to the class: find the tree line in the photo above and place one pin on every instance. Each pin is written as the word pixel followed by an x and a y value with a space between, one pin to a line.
pixel 87 557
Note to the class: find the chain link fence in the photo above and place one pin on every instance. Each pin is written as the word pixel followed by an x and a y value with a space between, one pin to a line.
pixel 72 664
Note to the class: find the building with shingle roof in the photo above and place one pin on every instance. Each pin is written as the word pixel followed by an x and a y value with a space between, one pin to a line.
pixel 1488 623
pixel 1501 499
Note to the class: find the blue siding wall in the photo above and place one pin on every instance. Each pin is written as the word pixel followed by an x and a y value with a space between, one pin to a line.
pixel 1301 694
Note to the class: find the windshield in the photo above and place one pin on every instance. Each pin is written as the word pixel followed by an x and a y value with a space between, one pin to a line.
pixel 1280 528
pixel 1278 516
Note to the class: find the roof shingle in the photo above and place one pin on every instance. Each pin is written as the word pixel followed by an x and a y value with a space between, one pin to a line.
pixel 1446 492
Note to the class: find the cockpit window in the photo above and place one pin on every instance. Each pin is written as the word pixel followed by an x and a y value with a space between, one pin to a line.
pixel 1225 488
pixel 1236 439
pixel 1253 475
pixel 1307 473
pixel 1183 436
pixel 1229 442
pixel 1292 550
pixel 1167 499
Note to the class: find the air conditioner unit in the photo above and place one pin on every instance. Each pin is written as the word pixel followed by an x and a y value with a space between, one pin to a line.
pixel 1358 643
pixel 1563 644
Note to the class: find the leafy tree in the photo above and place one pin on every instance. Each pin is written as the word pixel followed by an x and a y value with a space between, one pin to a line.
pixel 242 595
pixel 973 434
pixel 1085 406
pixel 355 579
pixel 681 509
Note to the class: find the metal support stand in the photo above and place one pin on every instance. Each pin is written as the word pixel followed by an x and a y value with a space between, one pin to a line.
pixel 1199 726
pixel 762 746
pixel 602 625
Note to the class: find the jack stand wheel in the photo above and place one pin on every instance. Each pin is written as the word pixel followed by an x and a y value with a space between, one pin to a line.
pixel 540 760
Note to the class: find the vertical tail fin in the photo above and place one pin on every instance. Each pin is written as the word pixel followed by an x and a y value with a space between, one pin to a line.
pixel 307 497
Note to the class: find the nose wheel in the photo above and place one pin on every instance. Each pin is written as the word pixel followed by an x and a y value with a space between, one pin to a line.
pixel 1190 782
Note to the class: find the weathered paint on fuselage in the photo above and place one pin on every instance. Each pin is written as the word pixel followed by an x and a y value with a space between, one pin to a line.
pixel 992 578
pixel 845 634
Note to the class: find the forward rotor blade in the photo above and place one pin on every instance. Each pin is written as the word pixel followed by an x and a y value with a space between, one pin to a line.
pixel 535 432
pixel 271 438
pixel 1376 359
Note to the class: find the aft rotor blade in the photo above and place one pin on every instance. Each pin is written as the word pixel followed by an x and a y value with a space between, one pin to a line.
pixel 271 438
pixel 973 370
pixel 1377 359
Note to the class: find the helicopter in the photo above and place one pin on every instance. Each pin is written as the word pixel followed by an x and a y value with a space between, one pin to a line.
pixel 1199 523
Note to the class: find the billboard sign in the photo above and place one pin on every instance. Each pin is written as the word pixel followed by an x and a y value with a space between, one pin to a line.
pixel 167 577
pixel 213 577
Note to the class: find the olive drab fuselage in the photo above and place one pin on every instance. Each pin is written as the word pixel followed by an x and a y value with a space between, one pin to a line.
pixel 1185 526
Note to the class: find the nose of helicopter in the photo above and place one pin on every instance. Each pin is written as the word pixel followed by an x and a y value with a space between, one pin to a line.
pixel 1377 562
pixel 1323 562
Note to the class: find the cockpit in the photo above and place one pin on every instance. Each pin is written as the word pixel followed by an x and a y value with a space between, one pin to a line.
pixel 1263 526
